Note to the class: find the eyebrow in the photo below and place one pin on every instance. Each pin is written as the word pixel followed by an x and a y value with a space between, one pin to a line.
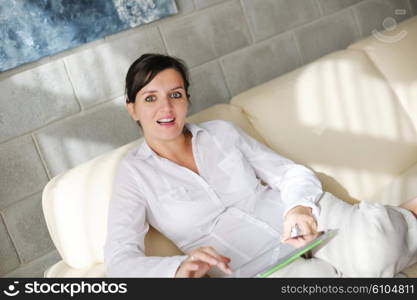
pixel 154 91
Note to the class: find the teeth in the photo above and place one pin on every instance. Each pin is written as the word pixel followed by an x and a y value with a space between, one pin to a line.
pixel 165 120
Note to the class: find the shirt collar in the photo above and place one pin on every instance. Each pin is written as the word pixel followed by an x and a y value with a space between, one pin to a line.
pixel 144 151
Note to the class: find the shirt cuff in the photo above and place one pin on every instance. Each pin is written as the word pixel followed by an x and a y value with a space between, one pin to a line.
pixel 173 266
pixel 315 210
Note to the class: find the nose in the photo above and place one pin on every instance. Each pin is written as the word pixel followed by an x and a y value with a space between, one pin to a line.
pixel 166 103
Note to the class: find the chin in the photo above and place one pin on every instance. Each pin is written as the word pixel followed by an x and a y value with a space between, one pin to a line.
pixel 172 134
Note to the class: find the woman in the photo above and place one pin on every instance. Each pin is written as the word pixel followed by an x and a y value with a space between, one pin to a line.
pixel 200 185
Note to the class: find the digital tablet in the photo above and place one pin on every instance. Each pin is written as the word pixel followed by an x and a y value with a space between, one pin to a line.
pixel 277 257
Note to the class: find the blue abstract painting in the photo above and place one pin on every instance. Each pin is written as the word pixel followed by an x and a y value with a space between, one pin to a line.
pixel 31 29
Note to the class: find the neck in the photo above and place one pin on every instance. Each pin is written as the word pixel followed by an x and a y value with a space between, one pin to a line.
pixel 172 149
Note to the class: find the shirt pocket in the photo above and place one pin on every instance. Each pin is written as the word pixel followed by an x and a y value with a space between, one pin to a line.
pixel 173 195
pixel 184 211
pixel 238 173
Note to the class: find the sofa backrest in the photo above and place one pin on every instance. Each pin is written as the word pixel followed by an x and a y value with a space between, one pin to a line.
pixel 339 116
pixel 393 53
pixel 75 203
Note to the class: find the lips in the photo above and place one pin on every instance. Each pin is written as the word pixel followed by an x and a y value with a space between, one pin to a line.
pixel 167 121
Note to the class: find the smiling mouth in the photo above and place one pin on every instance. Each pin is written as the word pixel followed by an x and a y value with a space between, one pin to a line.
pixel 169 121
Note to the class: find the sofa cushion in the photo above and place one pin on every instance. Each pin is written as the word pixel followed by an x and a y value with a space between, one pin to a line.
pixel 230 113
pixel 339 116
pixel 401 189
pixel 393 53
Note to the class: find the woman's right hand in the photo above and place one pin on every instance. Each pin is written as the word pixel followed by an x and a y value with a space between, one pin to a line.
pixel 200 261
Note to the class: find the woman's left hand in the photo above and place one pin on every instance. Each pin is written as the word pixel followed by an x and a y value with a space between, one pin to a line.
pixel 303 218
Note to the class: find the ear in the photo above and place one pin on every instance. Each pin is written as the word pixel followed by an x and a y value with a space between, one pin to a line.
pixel 131 110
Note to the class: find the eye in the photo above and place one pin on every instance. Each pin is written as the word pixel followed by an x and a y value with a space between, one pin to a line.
pixel 176 95
pixel 150 98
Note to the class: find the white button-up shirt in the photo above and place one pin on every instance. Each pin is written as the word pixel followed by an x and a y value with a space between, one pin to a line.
pixel 236 204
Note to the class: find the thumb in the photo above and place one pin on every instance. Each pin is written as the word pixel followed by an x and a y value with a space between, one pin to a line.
pixel 225 259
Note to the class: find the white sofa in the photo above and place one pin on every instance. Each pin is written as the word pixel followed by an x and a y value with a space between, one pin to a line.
pixel 351 116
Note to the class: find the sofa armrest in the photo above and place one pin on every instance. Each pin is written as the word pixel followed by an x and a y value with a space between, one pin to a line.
pixel 61 269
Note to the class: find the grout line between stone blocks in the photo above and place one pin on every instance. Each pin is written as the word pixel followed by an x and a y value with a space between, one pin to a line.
pixel 23 199
pixel 321 10
pixel 410 6
pixel 298 48
pixel 29 262
pixel 338 12
pixel 357 25
pixel 164 42
pixel 38 149
pixel 224 78
pixel 193 5
pixel 2 219
pixel 72 85
pixel 211 5
pixel 245 16
pixel 61 119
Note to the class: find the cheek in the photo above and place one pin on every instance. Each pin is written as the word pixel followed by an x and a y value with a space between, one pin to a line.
pixel 144 114
pixel 182 108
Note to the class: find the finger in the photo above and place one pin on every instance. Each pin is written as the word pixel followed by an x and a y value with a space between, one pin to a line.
pixel 218 256
pixel 222 264
pixel 305 228
pixel 202 269
pixel 308 228
pixel 191 266
pixel 209 255
pixel 305 232
pixel 296 242
pixel 187 269
pixel 309 237
pixel 195 268
pixel 225 259
pixel 301 240
pixel 312 225
pixel 205 257
pixel 214 253
pixel 225 268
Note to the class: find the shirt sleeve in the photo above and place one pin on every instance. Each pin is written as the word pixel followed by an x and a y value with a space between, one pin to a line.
pixel 126 229
pixel 298 185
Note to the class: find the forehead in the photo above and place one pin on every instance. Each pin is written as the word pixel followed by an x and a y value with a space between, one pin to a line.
pixel 168 78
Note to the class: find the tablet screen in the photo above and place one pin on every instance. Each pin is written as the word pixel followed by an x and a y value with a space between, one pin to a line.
pixel 277 257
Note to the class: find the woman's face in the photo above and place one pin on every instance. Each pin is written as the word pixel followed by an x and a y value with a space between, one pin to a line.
pixel 161 106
